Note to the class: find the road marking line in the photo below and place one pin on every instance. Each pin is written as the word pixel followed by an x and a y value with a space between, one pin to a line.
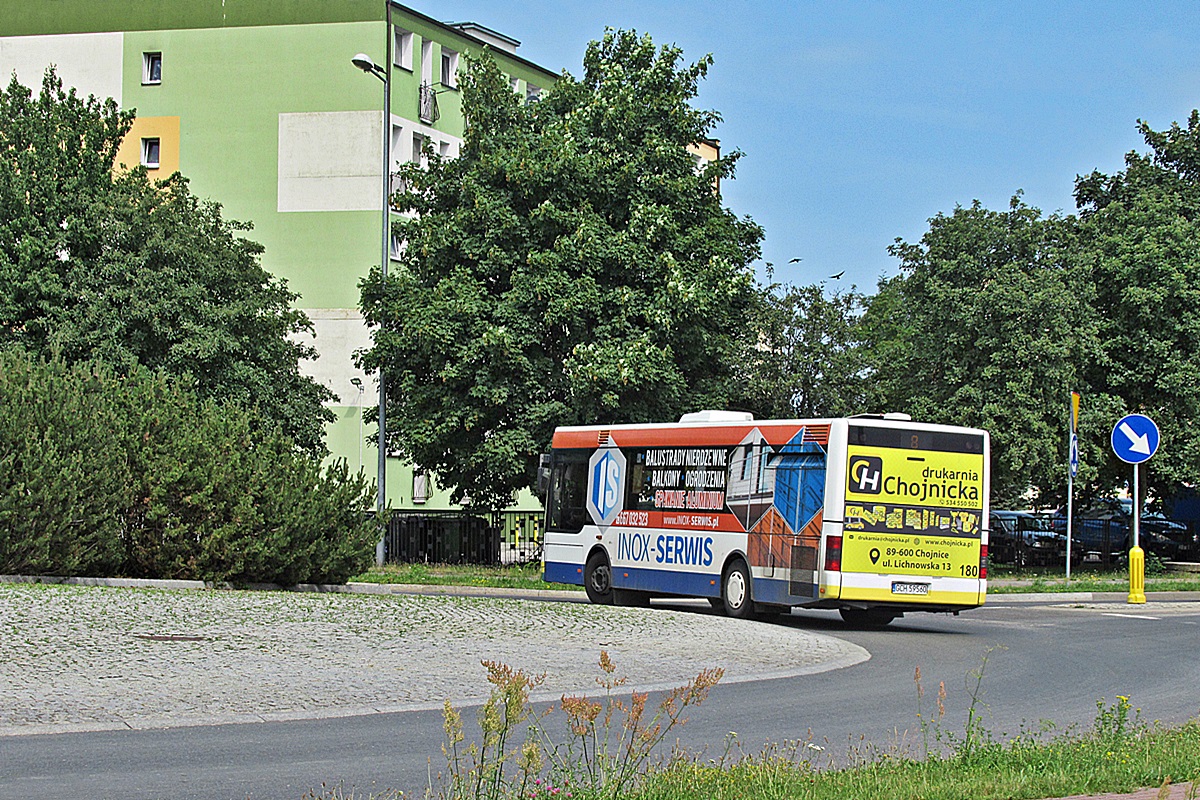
pixel 1129 616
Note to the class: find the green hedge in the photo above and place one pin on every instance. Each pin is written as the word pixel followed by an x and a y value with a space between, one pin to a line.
pixel 131 475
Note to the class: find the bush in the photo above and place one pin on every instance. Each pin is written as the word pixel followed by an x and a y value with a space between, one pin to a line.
pixel 132 475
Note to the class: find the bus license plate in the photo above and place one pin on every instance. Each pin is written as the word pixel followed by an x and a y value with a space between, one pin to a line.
pixel 909 588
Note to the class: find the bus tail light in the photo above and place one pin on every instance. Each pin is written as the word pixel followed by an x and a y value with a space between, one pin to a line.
pixel 983 562
pixel 833 553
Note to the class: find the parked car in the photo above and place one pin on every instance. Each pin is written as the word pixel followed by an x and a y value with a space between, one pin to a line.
pixel 1026 539
pixel 1104 525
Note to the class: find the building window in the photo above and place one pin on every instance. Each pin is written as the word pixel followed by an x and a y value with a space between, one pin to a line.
pixel 402 46
pixel 418 149
pixel 449 68
pixel 150 152
pixel 532 93
pixel 420 486
pixel 151 68
pixel 426 61
pixel 397 141
pixel 397 247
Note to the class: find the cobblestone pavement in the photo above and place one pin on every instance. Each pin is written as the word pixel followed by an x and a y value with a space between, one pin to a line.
pixel 95 658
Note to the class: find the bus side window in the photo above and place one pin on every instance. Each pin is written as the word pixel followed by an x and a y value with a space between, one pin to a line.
pixel 639 494
pixel 567 511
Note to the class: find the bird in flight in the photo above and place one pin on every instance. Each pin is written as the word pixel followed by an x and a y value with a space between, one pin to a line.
pixel 794 260
pixel 838 276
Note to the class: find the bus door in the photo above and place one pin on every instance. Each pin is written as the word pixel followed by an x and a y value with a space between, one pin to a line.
pixel 563 550
pixel 800 501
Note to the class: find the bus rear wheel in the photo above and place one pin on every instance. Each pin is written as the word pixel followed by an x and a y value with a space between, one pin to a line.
pixel 597 579
pixel 735 591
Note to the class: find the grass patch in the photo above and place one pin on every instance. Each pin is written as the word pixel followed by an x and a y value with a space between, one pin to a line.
pixel 612 748
pixel 1053 579
pixel 1021 770
pixel 529 576
pixel 512 576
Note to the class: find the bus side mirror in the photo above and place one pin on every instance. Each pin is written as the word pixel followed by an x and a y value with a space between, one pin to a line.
pixel 543 475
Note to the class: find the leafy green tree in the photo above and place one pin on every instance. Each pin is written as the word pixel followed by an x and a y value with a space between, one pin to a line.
pixel 572 265
pixel 806 360
pixel 988 325
pixel 1141 243
pixel 102 265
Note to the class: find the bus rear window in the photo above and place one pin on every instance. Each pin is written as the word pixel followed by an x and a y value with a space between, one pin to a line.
pixel 911 439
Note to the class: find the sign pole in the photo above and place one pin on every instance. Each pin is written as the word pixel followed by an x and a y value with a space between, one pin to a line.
pixel 1072 468
pixel 1135 439
pixel 1137 557
pixel 1070 503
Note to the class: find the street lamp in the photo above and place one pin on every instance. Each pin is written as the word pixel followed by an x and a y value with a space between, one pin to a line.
pixel 384 73
pixel 358 384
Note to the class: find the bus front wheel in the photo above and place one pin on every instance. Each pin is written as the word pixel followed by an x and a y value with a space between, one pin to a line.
pixel 597 579
pixel 735 591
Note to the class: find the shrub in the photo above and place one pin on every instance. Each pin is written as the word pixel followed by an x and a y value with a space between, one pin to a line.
pixel 133 475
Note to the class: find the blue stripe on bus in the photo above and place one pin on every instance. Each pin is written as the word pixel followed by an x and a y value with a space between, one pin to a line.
pixel 778 592
pixel 692 584
pixel 557 572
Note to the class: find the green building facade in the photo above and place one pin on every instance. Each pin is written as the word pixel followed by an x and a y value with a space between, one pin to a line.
pixel 257 103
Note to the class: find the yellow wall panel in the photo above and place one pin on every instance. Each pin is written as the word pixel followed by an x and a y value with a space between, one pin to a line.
pixel 166 130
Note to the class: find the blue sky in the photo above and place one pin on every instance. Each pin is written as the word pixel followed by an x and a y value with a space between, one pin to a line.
pixel 861 120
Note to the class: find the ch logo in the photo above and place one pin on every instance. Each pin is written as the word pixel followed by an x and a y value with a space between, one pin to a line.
pixel 866 474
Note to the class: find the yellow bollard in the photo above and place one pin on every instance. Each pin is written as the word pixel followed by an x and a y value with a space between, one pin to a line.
pixel 1137 575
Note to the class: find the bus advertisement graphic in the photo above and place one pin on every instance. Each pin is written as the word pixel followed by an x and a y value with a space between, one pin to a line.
pixel 913 512
pixel 606 498
pixel 949 556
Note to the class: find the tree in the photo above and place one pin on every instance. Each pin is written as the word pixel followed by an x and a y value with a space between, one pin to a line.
pixel 806 360
pixel 571 265
pixel 1141 241
pixel 110 266
pixel 988 326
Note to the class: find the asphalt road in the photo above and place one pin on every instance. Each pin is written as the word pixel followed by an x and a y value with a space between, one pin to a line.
pixel 1043 662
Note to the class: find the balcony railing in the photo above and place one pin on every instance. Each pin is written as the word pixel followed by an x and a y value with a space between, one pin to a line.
pixel 427 104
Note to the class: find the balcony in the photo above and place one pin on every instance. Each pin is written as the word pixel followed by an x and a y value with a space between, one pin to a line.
pixel 427 106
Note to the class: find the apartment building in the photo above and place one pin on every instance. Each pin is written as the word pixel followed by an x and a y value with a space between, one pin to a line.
pixel 258 104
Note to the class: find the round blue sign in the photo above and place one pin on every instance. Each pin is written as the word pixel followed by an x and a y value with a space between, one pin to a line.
pixel 1135 438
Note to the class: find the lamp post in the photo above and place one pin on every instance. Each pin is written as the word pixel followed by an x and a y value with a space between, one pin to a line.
pixel 358 384
pixel 384 73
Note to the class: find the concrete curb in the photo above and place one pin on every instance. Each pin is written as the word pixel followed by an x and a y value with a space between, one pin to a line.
pixel 334 588
pixel 124 583
pixel 996 598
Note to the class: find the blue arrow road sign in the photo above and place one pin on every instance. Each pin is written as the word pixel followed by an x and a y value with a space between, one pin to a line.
pixel 1135 438
pixel 1073 458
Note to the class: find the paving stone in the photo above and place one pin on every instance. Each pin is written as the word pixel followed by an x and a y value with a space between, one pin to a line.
pixel 87 658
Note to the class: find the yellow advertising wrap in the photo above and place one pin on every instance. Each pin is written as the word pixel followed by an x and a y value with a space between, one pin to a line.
pixel 920 478
pixel 904 554
pixel 913 512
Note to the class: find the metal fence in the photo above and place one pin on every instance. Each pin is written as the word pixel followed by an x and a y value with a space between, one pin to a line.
pixel 460 537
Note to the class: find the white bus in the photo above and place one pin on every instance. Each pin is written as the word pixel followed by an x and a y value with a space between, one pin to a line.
pixel 874 515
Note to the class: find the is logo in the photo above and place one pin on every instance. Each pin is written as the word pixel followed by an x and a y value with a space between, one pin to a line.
pixel 606 484
pixel 866 474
